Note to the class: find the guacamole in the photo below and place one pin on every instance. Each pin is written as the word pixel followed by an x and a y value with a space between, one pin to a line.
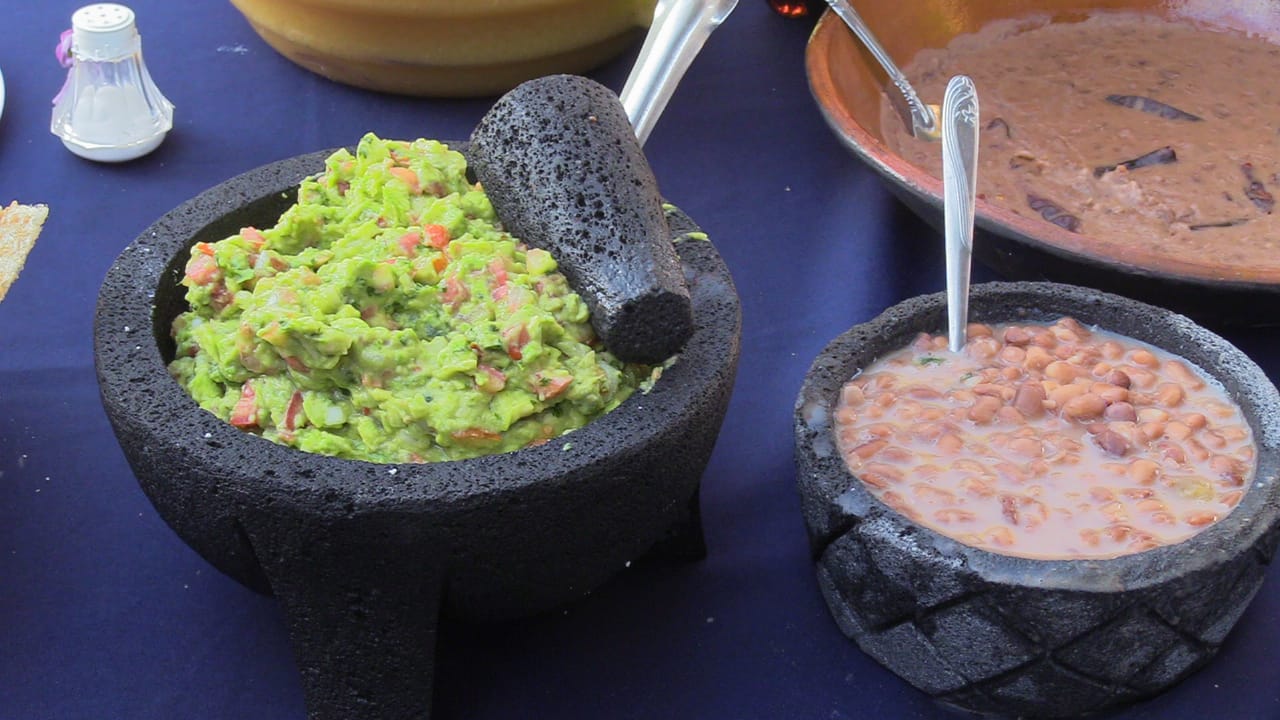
pixel 388 317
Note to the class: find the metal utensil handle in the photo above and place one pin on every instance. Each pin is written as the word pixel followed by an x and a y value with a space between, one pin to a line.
pixel 959 191
pixel 680 27
pixel 923 121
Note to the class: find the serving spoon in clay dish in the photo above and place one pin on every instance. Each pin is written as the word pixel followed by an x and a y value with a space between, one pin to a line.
pixel 922 118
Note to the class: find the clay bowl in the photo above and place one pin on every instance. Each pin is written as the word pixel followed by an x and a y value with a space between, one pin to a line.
pixel 1025 637
pixel 365 557
pixel 446 48
pixel 849 86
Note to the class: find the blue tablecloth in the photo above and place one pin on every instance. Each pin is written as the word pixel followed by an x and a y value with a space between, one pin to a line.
pixel 105 613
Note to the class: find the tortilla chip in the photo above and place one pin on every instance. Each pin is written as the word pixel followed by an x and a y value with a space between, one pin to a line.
pixel 19 227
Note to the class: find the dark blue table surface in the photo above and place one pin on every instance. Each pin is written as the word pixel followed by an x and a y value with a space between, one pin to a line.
pixel 105 613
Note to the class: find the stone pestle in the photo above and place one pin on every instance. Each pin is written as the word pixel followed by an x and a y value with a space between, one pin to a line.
pixel 564 171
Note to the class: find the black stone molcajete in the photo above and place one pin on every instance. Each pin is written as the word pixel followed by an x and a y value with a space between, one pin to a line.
pixel 1014 636
pixel 365 557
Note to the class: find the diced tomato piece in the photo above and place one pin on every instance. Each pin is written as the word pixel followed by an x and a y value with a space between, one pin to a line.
pixel 499 270
pixel 549 386
pixel 203 269
pixel 454 291
pixel 437 235
pixel 440 262
pixel 408 177
pixel 254 236
pixel 475 434
pixel 493 380
pixel 409 243
pixel 291 413
pixel 296 364
pixel 500 292
pixel 205 248
pixel 516 337
pixel 245 412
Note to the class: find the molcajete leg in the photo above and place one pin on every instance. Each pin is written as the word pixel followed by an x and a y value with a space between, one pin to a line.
pixel 362 613
pixel 685 541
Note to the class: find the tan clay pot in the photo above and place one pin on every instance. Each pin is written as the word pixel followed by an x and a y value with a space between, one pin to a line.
pixel 448 48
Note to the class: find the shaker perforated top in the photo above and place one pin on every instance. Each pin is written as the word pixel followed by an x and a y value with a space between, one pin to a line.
pixel 103 31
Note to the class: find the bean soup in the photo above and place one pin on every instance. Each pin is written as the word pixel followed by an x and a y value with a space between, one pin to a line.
pixel 1159 134
pixel 1053 442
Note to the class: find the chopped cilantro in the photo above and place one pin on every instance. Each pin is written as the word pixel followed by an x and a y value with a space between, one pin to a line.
pixel 693 236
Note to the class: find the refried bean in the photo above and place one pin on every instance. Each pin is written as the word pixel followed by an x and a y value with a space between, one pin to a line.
pixel 1155 133
pixel 1053 442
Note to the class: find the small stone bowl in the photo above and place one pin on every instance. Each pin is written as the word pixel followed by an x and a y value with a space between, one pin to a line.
pixel 1014 636
pixel 364 557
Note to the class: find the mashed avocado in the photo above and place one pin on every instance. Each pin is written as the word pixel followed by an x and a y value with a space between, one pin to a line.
pixel 388 317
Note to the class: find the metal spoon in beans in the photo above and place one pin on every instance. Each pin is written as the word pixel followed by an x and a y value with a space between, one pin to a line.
pixel 959 191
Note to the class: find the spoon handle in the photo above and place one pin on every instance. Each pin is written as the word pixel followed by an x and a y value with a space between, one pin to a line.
pixel 680 27
pixel 924 124
pixel 959 181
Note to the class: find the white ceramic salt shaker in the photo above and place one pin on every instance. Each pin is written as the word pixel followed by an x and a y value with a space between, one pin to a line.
pixel 109 110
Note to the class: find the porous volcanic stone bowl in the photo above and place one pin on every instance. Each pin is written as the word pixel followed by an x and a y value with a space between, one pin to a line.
pixel 1015 636
pixel 364 557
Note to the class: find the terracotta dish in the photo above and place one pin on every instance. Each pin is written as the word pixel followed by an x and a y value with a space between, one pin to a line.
pixel 849 88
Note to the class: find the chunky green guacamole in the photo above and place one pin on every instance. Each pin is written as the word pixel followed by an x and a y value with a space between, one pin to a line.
pixel 388 317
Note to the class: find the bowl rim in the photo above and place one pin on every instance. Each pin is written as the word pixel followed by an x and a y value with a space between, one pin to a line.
pixel 1257 513
pixel 158 253
pixel 924 187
